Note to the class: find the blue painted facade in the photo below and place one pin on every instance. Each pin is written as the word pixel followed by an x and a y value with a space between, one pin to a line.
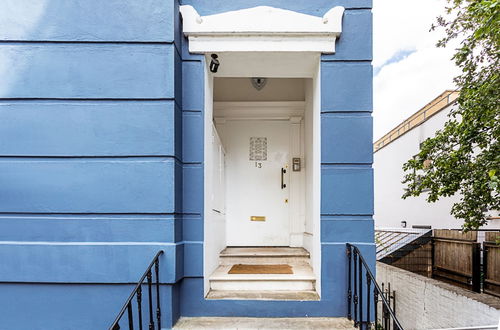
pixel 101 159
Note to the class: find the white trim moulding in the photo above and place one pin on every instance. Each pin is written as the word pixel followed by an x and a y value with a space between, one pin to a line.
pixel 261 29
pixel 267 110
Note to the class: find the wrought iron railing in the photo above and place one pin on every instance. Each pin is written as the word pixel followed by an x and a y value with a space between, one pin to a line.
pixel 137 292
pixel 360 305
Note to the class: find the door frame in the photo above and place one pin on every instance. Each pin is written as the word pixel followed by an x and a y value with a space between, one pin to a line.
pixel 293 112
pixel 298 66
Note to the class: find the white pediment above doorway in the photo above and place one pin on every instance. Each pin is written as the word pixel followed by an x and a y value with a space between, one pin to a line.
pixel 261 29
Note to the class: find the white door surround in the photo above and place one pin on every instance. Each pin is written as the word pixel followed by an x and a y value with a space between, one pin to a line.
pixel 262 29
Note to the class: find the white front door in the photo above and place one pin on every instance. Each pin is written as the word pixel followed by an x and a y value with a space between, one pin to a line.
pixel 257 182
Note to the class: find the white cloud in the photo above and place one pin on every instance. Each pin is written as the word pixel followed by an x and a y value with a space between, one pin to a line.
pixel 403 86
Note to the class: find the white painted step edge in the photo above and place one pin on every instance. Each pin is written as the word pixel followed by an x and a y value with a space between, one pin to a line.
pixel 296 285
pixel 262 277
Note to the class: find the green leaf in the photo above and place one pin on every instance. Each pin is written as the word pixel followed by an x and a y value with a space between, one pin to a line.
pixel 468 146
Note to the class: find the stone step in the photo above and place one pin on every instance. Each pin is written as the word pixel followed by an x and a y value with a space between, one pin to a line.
pixel 302 279
pixel 263 295
pixel 297 286
pixel 233 323
pixel 262 285
pixel 264 260
pixel 264 256
pixel 264 252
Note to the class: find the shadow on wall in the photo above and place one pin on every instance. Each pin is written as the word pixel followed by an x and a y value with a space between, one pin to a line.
pixel 32 68
pixel 18 23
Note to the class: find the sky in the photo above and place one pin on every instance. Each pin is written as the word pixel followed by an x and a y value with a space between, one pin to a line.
pixel 409 70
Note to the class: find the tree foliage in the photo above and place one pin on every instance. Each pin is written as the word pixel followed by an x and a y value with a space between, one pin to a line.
pixel 463 158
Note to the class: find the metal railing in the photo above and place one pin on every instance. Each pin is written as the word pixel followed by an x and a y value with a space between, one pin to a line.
pixel 148 274
pixel 359 274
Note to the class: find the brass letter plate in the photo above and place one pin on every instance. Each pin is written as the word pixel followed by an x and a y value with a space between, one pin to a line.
pixel 257 218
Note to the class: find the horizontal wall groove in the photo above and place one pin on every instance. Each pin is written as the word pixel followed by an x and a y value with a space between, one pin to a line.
pixel 61 214
pixel 98 215
pixel 96 159
pixel 346 215
pixel 80 283
pixel 160 244
pixel 128 157
pixel 80 42
pixel 83 99
pixel 345 60
pixel 347 164
pixel 193 111
pixel 350 242
pixel 89 216
pixel 352 218
pixel 359 8
pixel 347 113
pixel 92 243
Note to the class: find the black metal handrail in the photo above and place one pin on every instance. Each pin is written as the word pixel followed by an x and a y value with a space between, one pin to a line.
pixel 355 299
pixel 138 292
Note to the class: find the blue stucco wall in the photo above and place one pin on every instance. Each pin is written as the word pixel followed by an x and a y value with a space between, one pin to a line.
pixel 101 159
pixel 347 177
pixel 91 165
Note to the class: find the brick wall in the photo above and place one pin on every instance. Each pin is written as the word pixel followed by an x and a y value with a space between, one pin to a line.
pixel 425 303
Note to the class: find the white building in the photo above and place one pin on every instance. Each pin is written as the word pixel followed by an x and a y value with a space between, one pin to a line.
pixel 392 151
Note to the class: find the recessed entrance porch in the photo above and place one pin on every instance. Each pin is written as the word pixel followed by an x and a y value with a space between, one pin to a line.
pixel 261 185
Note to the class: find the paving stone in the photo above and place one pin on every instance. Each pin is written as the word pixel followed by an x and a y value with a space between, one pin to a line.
pixel 247 323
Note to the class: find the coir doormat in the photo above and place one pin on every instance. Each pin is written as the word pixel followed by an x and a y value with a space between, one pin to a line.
pixel 260 269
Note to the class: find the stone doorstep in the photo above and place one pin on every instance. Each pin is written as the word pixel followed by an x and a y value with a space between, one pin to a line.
pixel 302 279
pixel 300 273
pixel 254 323
pixel 264 252
pixel 264 260
pixel 263 295
pixel 299 286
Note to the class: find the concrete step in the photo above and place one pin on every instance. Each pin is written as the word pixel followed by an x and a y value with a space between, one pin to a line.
pixel 264 256
pixel 300 285
pixel 264 260
pixel 233 323
pixel 263 295
pixel 302 279
pixel 264 251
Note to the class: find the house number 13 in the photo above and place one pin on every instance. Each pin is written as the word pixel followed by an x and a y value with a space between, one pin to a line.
pixel 258 165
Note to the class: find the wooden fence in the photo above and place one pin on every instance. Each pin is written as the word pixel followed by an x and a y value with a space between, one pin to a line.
pixel 462 259
pixel 418 261
pixel 491 264
pixel 456 258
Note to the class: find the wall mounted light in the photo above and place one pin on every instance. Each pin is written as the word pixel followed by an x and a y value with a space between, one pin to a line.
pixel 259 83
pixel 214 64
